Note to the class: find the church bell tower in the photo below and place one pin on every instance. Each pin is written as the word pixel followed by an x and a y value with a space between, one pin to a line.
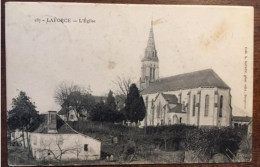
pixel 150 62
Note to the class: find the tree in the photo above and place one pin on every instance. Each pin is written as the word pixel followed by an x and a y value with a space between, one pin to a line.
pixel 111 103
pixel 106 112
pixel 134 105
pixel 56 148
pixel 22 115
pixel 122 85
pixel 75 97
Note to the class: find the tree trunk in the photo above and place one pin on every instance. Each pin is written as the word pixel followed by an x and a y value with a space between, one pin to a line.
pixel 27 136
pixel 23 139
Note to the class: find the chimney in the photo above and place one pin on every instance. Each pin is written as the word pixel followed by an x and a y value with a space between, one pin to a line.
pixel 52 122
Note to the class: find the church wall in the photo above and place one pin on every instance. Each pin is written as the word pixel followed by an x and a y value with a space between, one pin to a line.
pixel 225 120
pixel 148 118
pixel 175 118
pixel 207 119
pixel 193 119
pixel 160 111
pixel 199 118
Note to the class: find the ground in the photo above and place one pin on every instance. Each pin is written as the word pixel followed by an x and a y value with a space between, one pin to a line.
pixel 147 146
pixel 17 155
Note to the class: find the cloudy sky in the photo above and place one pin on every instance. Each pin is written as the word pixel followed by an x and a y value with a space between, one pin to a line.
pixel 42 55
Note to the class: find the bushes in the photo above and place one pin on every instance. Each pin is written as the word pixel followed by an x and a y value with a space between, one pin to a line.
pixel 208 141
pixel 203 141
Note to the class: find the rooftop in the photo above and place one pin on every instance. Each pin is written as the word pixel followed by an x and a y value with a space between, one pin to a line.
pixel 203 78
pixel 42 126
pixel 241 118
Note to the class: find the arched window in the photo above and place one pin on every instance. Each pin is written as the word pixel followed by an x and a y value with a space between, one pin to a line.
pixel 146 101
pixel 158 110
pixel 194 105
pixel 144 69
pixel 151 72
pixel 152 112
pixel 206 105
pixel 220 106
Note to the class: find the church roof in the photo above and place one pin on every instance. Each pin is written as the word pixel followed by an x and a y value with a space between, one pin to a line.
pixel 171 99
pixel 203 78
pixel 241 118
pixel 176 108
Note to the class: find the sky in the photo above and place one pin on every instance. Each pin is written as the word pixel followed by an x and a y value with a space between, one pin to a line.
pixel 42 55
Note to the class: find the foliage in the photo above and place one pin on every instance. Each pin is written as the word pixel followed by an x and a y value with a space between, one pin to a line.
pixel 111 103
pixel 22 113
pixel 103 113
pixel 106 112
pixel 202 141
pixel 134 105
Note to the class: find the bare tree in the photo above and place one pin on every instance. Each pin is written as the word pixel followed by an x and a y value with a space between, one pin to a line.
pixel 78 148
pixel 54 147
pixel 73 96
pixel 122 85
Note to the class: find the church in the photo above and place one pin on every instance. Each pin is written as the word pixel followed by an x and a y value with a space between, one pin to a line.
pixel 198 98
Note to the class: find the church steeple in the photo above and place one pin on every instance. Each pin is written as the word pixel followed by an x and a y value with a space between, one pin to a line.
pixel 150 62
pixel 150 51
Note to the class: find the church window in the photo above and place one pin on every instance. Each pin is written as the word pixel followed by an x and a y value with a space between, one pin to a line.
pixel 206 105
pixel 146 101
pixel 154 73
pixel 158 111
pixel 183 105
pixel 180 98
pixel 164 112
pixel 152 112
pixel 151 72
pixel 194 106
pixel 169 121
pixel 220 106
pixel 180 119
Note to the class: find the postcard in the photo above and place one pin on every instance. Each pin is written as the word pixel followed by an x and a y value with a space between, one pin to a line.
pixel 97 84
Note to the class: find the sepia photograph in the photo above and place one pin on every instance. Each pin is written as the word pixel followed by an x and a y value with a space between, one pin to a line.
pixel 114 84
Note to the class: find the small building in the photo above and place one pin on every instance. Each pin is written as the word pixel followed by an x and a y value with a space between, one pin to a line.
pixel 54 139
pixel 70 116
pixel 240 120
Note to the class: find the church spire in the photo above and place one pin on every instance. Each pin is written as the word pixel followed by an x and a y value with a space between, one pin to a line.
pixel 150 62
pixel 150 51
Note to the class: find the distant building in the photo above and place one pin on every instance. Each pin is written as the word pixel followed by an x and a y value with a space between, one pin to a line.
pixel 120 102
pixel 70 116
pixel 197 98
pixel 240 120
pixel 99 99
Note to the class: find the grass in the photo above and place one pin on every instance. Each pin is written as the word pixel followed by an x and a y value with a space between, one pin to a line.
pixel 149 144
pixel 19 156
